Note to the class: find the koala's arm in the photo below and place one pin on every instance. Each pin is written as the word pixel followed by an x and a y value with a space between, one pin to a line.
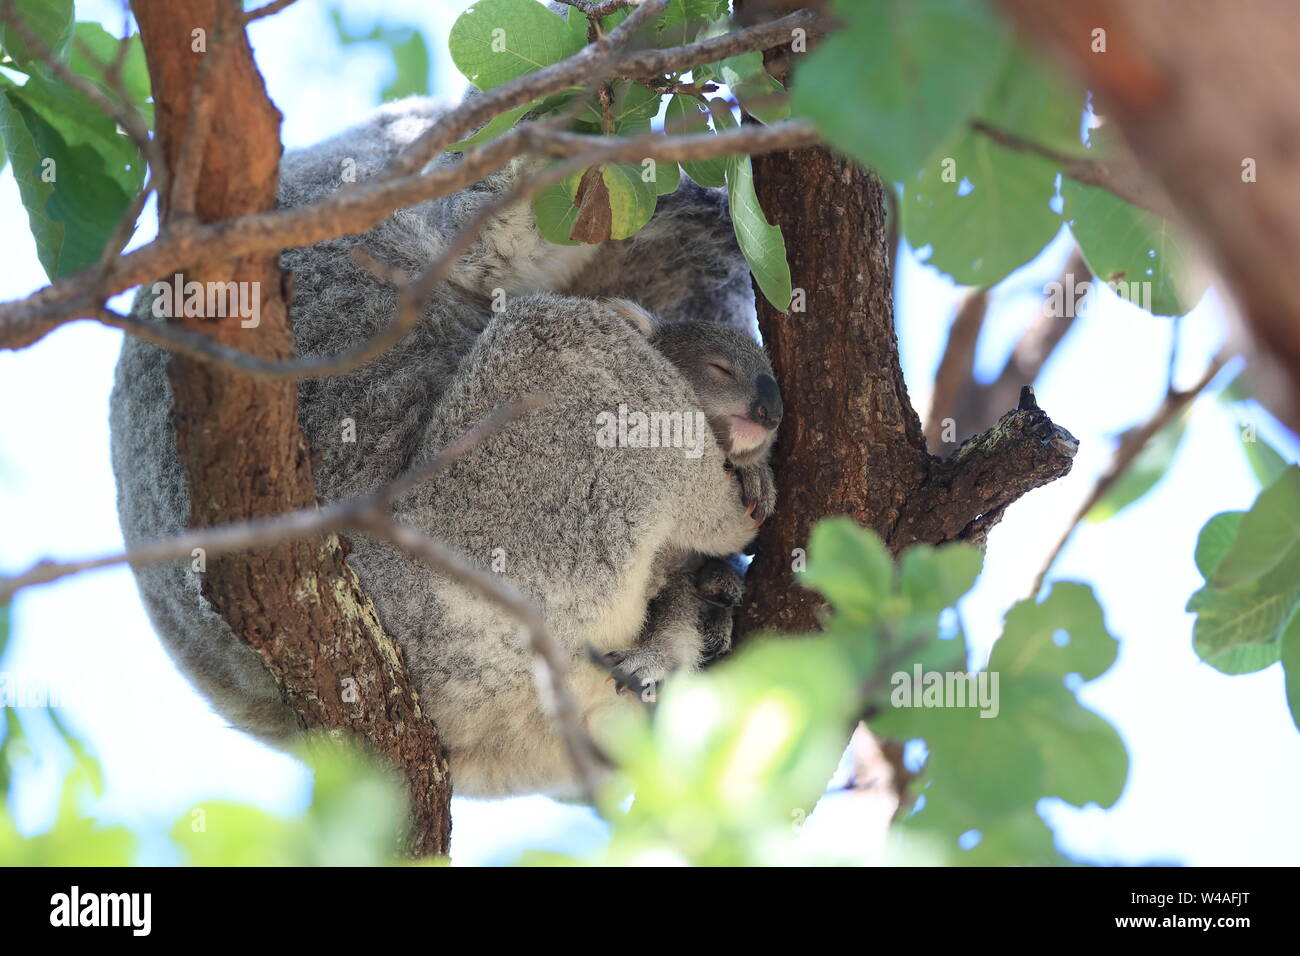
pixel 688 625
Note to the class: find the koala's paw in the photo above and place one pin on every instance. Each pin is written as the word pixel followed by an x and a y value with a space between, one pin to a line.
pixel 719 584
pixel 757 491
pixel 637 669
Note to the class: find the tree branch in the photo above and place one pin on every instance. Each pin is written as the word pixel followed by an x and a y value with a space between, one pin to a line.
pixel 267 471
pixel 592 64
pixel 600 8
pixel 973 406
pixel 1130 446
pixel 965 495
pixel 1118 174
pixel 957 367
pixel 371 513
pixel 356 210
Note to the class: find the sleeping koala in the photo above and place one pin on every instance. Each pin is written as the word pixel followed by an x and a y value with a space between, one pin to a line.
pixel 608 541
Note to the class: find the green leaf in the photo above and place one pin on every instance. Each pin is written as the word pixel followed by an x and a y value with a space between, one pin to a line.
pixel 683 20
pixel 1239 630
pixel 631 198
pixel 1215 539
pixel 50 20
pixel 497 40
pixel 1026 736
pixel 1269 532
pixel 73 216
pixel 103 47
pixel 667 177
pixel 1151 464
pixel 934 578
pixel 631 201
pixel 1291 666
pixel 760 241
pixel 85 130
pixel 1265 461
pixel 734 755
pixel 353 820
pixel 1136 252
pixel 686 115
pixel 910 72
pixel 1035 101
pixel 1031 643
pixel 760 94
pixel 493 128
pixel 555 212
pixel 635 107
pixel 850 566
pixel 1251 563
pixel 996 227
pixel 411 58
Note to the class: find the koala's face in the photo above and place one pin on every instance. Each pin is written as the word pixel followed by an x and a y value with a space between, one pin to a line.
pixel 732 379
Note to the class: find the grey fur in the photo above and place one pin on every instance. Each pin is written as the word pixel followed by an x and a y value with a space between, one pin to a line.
pixel 591 533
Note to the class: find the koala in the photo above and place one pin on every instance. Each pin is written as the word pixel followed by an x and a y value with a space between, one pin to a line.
pixel 609 542
pixel 690 619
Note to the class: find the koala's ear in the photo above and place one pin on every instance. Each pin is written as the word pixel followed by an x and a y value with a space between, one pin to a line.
pixel 637 317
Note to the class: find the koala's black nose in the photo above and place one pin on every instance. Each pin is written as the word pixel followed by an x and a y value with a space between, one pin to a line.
pixel 767 408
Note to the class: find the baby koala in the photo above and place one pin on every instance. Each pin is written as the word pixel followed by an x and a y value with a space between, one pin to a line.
pixel 738 394
pixel 688 623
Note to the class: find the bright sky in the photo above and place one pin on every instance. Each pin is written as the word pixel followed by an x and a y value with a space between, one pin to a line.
pixel 1215 761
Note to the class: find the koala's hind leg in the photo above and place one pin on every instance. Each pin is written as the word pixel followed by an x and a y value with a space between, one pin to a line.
pixel 688 624
pixel 720 587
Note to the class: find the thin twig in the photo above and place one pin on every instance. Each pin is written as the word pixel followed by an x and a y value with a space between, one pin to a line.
pixel 762 36
pixel 80 296
pixel 590 65
pixel 550 663
pixel 371 513
pixel 266 532
pixel 1130 447
pixel 275 6
pixel 1119 174
pixel 957 366
pixel 600 8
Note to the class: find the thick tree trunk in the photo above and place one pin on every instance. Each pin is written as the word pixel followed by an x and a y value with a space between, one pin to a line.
pixel 298 604
pixel 850 442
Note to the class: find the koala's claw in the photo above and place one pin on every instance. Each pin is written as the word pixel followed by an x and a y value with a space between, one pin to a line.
pixel 635 669
pixel 757 491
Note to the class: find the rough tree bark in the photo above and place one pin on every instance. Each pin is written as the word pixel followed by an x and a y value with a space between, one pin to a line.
pixel 851 443
pixel 298 605
pixel 1200 88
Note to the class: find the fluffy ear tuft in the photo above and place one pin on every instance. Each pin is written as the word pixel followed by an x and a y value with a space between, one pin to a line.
pixel 639 318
